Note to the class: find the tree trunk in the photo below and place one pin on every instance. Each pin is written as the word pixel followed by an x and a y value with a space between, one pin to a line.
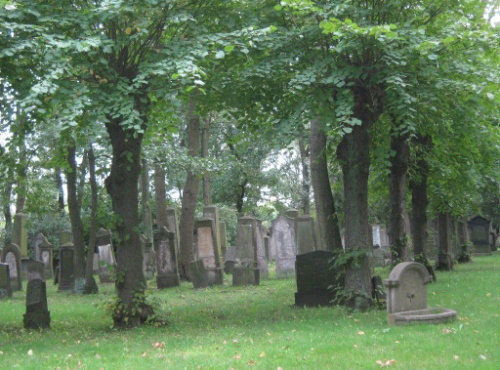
pixel 445 255
pixel 60 190
pixel 190 194
pixel 74 214
pixel 161 198
pixel 240 200
pixel 326 211
pixel 354 155
pixel 205 135
pixel 419 202
pixel 6 198
pixel 397 185
pixel 147 219
pixel 90 283
pixel 306 187
pixel 122 185
pixel 21 187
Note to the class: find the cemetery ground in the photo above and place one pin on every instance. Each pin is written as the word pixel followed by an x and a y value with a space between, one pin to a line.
pixel 257 327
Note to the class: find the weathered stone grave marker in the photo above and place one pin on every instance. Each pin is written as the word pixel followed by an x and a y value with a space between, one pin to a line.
pixel 106 255
pixel 479 234
pixel 245 270
pixel 407 296
pixel 11 255
pixel 5 290
pixel 46 254
pixel 166 259
pixel 39 239
pixel 305 234
pixel 229 260
pixel 148 257
pixel 258 242
pixel 37 314
pixel 283 240
pixel 66 267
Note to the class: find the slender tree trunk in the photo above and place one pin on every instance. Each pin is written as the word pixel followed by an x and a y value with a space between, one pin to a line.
pixel 74 213
pixel 147 219
pixel 160 197
pixel 205 135
pixel 323 197
pixel 354 155
pixel 445 255
pixel 21 187
pixel 397 186
pixel 190 193
pixel 60 190
pixel 6 199
pixel 306 181
pixel 122 186
pixel 90 283
pixel 240 200
pixel 419 203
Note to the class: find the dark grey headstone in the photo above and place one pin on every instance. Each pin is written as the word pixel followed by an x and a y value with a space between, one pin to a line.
pixel 66 267
pixel 37 314
pixel 5 290
pixel 229 260
pixel 11 255
pixel 479 233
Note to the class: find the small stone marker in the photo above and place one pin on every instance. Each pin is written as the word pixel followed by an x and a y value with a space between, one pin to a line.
pixel 315 279
pixel 166 259
pixel 283 239
pixel 5 290
pixel 11 255
pixel 66 267
pixel 407 296
pixel 106 256
pixel 37 314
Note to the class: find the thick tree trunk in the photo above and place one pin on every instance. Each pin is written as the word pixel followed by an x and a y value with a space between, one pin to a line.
pixel 205 135
pixel 306 187
pixel 326 211
pixel 190 194
pixel 353 153
pixel 90 283
pixel 397 186
pixel 122 186
pixel 445 255
pixel 74 214
pixel 160 197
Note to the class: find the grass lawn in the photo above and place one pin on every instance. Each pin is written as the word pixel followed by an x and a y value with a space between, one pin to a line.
pixel 229 327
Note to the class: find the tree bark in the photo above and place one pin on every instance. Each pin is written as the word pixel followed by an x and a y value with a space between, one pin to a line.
pixel 147 219
pixel 74 213
pixel 353 153
pixel 205 135
pixel 6 198
pixel 91 286
pixel 445 255
pixel 306 187
pixel 160 197
pixel 326 211
pixel 190 193
pixel 397 186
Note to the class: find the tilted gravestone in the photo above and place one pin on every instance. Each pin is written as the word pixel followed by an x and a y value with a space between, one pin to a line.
pixel 407 296
pixel 37 314
pixel 66 267
pixel 283 240
pixel 5 290
pixel 166 259
pixel 245 270
pixel 479 234
pixel 11 255
pixel 106 256
pixel 46 252
pixel 205 269
pixel 315 279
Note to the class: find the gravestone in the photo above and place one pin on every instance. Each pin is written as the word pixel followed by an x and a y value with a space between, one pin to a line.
pixel 166 259
pixel 283 240
pixel 479 235
pixel 106 256
pixel 315 278
pixel 212 212
pixel 5 290
pixel 173 226
pixel 258 242
pixel 46 251
pixel 65 237
pixel 39 239
pixel 245 270
pixel 378 256
pixel 37 314
pixel 230 260
pixel 66 267
pixel 148 258
pixel 305 234
pixel 11 255
pixel 223 238
pixel 206 270
pixel 407 296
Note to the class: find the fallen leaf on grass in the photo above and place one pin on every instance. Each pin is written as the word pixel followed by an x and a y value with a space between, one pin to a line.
pixel 262 354
pixel 355 346
pixel 482 357
pixel 237 357
pixel 30 352
pixel 159 345
pixel 456 357
pixel 488 294
pixel 144 354
pixel 97 356
pixel 251 362
pixel 361 332
pixel 386 363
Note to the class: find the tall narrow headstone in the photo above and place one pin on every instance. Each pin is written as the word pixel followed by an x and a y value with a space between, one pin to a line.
pixel 245 270
pixel 37 314
pixel 166 259
pixel 305 234
pixel 212 212
pixel 46 251
pixel 258 241
pixel 11 255
pixel 106 256
pixel 5 289
pixel 66 267
pixel 20 234
pixel 283 239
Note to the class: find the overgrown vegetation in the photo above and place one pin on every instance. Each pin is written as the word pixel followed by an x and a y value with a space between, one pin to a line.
pixel 258 327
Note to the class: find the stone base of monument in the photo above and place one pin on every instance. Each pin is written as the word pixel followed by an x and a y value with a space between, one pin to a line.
pixel 481 250
pixel 423 316
pixel 203 277
pixel 314 298
pixel 167 281
pixel 285 274
pixel 246 276
pixel 37 320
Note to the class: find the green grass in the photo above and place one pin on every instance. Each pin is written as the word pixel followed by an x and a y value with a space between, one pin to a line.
pixel 257 327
